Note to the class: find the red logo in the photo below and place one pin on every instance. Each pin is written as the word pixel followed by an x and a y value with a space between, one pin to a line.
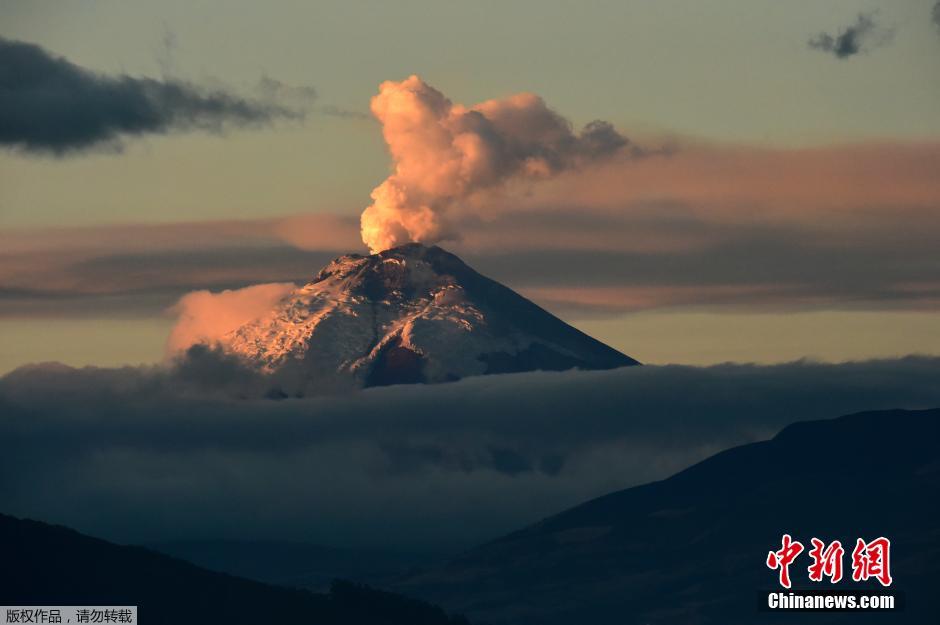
pixel 827 561
pixel 872 560
pixel 869 560
pixel 782 559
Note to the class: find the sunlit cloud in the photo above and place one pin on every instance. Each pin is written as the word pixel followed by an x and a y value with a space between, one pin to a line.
pixel 445 154
pixel 205 317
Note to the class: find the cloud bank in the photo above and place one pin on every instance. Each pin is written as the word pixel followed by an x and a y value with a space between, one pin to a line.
pixel 862 36
pixel 730 227
pixel 445 153
pixel 141 270
pixel 50 105
pixel 204 317
pixel 168 453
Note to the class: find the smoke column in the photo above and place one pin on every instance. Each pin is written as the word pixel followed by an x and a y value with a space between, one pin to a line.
pixel 445 153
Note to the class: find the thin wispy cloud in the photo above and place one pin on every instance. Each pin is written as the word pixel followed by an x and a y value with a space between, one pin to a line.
pixel 731 227
pixel 336 111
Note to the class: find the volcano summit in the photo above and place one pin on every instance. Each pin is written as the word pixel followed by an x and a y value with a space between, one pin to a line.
pixel 406 315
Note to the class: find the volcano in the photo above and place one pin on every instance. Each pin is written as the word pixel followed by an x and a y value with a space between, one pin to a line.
pixel 410 314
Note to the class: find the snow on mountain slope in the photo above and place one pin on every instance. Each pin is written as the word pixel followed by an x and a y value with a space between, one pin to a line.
pixel 410 314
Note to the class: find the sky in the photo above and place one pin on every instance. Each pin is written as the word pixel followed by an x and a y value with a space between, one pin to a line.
pixel 766 190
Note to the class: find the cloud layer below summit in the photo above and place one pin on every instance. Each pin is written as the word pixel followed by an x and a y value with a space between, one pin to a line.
pixel 137 454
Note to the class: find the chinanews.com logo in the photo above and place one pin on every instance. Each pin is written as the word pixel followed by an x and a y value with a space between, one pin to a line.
pixel 870 560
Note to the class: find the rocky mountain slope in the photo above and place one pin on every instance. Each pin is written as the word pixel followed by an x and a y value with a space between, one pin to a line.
pixel 410 314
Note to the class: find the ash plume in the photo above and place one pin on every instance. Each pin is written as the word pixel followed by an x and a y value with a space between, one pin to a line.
pixel 446 153
pixel 864 35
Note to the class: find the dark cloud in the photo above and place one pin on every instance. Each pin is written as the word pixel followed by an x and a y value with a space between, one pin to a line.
pixel 600 139
pixel 744 267
pixel 139 454
pixel 864 35
pixel 935 14
pixel 50 105
pixel 142 284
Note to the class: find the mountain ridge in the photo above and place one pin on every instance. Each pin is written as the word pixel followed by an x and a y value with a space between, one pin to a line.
pixel 48 564
pixel 691 548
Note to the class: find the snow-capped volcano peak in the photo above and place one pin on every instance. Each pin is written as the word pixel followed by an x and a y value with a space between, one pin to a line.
pixel 410 314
